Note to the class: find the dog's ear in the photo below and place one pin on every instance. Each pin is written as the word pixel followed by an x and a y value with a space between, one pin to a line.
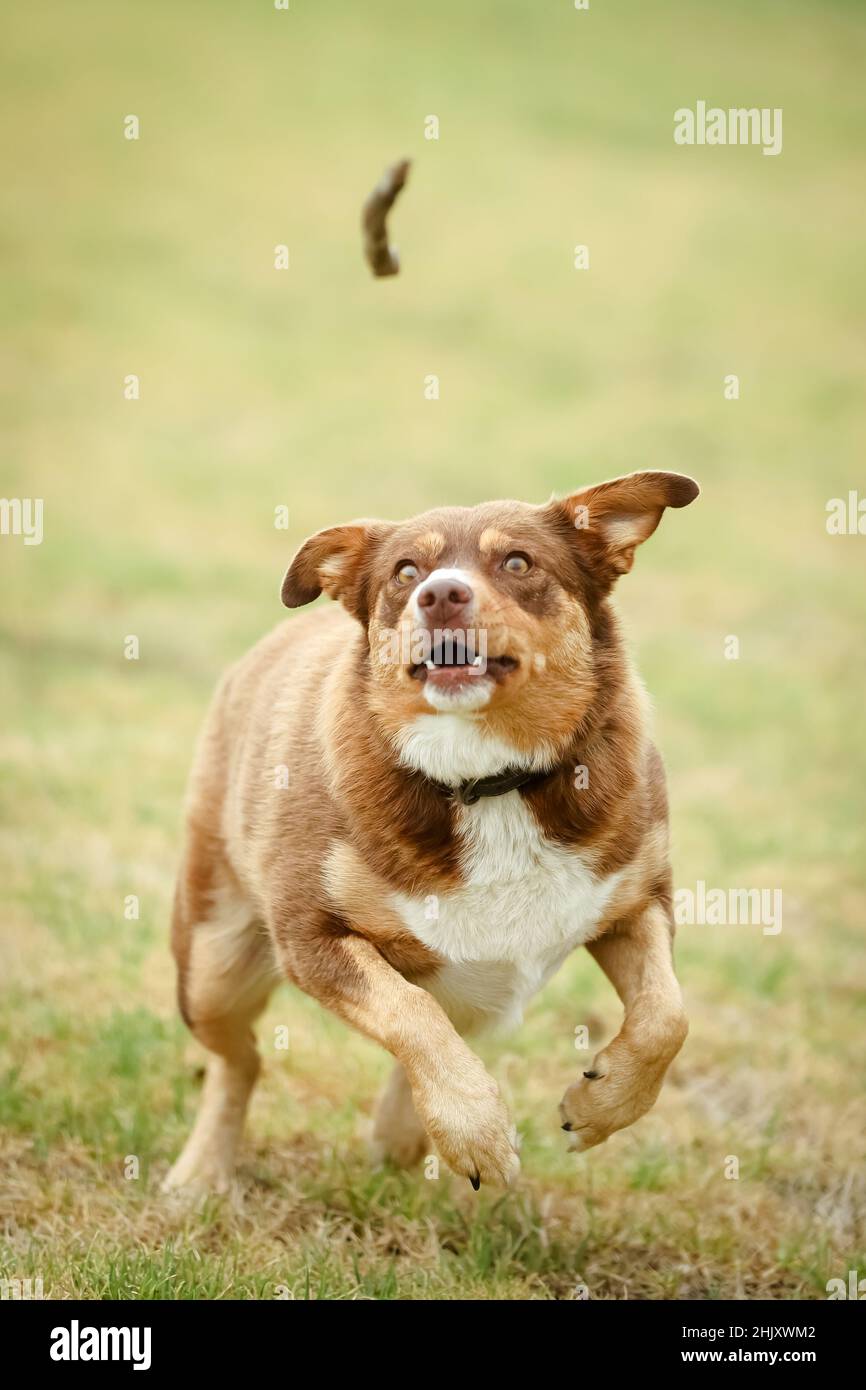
pixel 609 521
pixel 335 561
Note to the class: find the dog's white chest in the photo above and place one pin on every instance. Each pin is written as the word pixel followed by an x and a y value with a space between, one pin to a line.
pixel 524 905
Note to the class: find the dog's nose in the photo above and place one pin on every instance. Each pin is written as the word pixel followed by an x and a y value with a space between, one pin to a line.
pixel 441 600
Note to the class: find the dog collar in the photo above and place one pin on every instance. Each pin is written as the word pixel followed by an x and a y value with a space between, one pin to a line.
pixel 467 793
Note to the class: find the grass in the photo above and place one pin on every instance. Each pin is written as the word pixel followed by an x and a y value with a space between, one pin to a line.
pixel 305 388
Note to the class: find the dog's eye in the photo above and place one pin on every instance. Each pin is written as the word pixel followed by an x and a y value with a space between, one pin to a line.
pixel 406 572
pixel 517 563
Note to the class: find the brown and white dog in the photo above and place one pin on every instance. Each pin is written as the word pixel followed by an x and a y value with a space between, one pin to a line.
pixel 415 805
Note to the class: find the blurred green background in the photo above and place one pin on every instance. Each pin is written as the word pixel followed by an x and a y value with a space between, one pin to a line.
pixel 305 388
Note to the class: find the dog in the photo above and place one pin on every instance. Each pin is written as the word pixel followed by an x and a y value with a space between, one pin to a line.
pixel 415 804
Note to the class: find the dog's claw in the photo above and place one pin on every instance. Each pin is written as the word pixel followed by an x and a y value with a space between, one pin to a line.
pixel 476 1181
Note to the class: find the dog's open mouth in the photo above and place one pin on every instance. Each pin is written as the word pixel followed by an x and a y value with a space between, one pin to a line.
pixel 454 661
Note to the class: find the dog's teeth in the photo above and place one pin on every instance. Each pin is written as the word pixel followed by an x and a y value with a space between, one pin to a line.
pixel 431 665
pixel 476 661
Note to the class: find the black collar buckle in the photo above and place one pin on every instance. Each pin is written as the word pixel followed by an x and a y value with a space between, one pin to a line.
pixel 472 790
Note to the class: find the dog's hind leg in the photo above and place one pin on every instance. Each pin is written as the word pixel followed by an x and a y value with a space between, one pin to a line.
pixel 398 1134
pixel 226 972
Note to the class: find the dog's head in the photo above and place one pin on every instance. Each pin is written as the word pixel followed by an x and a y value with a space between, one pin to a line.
pixel 493 612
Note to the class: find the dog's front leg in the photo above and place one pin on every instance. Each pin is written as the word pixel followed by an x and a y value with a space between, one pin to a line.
pixel 626 1076
pixel 455 1097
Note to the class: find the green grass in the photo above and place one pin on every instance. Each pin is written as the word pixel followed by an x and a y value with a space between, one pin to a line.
pixel 305 388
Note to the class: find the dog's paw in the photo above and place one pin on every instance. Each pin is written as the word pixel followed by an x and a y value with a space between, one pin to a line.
pixel 603 1101
pixel 472 1130
pixel 403 1148
pixel 194 1176
pixel 584 1118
